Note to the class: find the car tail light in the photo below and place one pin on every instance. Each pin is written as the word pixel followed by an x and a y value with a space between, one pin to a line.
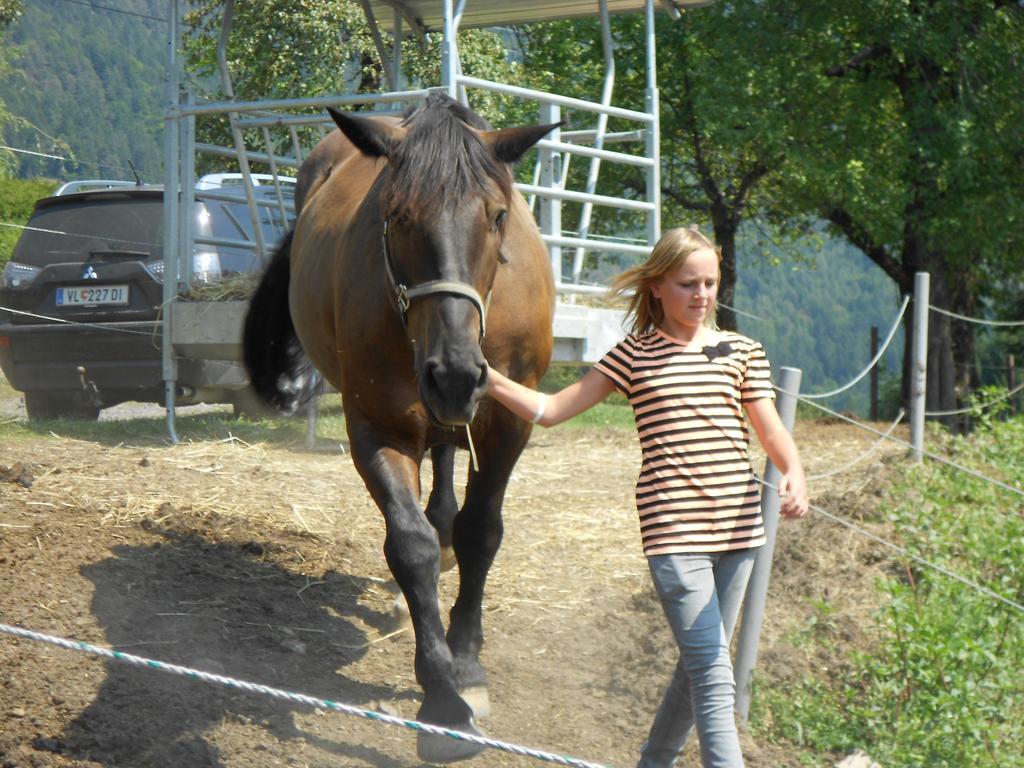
pixel 17 275
pixel 5 342
pixel 156 269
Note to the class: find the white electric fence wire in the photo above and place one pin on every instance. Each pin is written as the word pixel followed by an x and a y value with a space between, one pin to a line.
pixel 979 321
pixel 99 326
pixel 863 456
pixel 934 456
pixel 980 406
pixel 77 235
pixel 908 554
pixel 301 698
pixel 67 159
pixel 35 154
pixel 741 312
pixel 875 359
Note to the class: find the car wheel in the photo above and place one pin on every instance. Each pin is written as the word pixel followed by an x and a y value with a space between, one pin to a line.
pixel 44 406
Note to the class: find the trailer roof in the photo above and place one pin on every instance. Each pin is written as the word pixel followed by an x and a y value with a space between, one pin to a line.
pixel 428 15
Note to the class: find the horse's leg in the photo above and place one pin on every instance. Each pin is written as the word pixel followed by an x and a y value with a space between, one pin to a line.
pixel 441 510
pixel 413 555
pixel 442 505
pixel 476 537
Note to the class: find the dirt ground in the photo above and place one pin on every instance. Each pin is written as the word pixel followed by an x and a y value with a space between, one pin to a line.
pixel 264 564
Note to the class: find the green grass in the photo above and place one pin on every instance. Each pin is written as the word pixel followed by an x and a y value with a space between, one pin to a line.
pixel 221 425
pixel 198 427
pixel 613 413
pixel 945 685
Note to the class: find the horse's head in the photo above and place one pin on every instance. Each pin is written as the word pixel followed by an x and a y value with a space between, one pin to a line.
pixel 444 201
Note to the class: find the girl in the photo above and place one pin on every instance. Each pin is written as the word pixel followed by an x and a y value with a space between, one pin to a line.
pixel 698 499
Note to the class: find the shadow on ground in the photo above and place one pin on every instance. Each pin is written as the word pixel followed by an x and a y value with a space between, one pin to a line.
pixel 222 609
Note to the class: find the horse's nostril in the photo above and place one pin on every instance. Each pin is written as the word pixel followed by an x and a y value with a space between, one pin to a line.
pixel 430 373
pixel 481 381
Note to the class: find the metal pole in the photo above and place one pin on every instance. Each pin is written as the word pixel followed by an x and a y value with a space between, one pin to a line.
pixel 236 132
pixel 653 132
pixel 386 65
pixel 757 588
pixel 873 413
pixel 919 363
pixel 172 128
pixel 449 51
pixel 187 198
pixel 602 127
pixel 550 177
pixel 396 50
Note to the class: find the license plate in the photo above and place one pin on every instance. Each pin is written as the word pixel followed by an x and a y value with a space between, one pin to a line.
pixel 82 296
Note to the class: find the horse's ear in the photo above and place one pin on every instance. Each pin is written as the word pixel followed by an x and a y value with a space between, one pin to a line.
pixel 371 137
pixel 510 144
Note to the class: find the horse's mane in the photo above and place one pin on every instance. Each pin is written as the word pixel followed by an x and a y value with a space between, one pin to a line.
pixel 440 159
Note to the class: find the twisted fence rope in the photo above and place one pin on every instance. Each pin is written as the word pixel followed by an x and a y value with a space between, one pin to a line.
pixel 301 698
pixel 858 459
pixel 936 457
pixel 979 321
pixel 875 359
pixel 980 406
pixel 908 554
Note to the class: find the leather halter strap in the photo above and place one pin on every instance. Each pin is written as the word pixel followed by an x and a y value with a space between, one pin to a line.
pixel 404 295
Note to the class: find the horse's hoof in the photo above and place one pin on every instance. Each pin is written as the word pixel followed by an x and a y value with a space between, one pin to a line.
pixel 435 748
pixel 478 700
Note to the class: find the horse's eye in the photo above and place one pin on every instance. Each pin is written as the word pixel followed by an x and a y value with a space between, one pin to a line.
pixel 500 219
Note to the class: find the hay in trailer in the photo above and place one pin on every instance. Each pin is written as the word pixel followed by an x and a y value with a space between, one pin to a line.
pixel 238 287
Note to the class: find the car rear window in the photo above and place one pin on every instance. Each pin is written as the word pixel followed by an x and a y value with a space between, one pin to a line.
pixel 232 221
pixel 75 231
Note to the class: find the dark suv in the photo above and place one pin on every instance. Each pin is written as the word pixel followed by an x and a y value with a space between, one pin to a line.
pixel 80 299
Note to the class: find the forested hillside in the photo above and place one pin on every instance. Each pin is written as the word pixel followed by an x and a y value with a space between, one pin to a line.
pixel 87 84
pixel 815 310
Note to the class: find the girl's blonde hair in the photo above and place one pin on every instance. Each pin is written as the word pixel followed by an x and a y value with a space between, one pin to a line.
pixel 672 249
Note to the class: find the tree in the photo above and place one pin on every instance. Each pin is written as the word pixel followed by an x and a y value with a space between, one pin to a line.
pixel 724 116
pixel 901 124
pixel 9 11
pixel 915 153
pixel 300 48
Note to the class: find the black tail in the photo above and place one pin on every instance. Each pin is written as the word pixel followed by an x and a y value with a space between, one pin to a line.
pixel 279 370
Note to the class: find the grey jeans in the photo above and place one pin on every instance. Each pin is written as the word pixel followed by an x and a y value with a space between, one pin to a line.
pixel 701 595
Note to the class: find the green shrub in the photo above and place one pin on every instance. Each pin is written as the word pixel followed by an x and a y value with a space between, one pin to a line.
pixel 945 685
pixel 17 198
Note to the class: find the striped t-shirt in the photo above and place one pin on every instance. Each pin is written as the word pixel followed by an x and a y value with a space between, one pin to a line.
pixel 696 491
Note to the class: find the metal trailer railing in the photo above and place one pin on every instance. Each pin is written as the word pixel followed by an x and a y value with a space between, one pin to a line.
pixel 278 123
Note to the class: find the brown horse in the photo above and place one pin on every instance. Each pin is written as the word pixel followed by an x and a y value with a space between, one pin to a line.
pixel 413 263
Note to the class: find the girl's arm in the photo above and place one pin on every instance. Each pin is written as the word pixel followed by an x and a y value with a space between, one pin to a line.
pixel 554 409
pixel 779 445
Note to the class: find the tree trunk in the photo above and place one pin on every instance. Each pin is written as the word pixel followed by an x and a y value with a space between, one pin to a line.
pixel 725 236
